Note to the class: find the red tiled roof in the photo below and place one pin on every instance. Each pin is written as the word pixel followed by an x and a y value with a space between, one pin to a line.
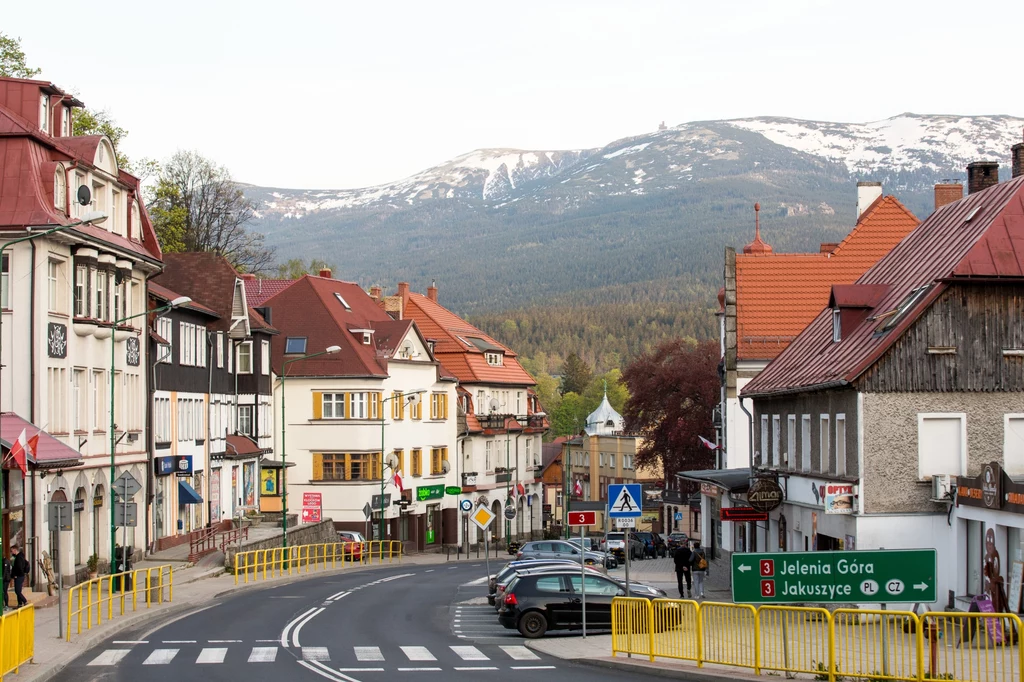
pixel 258 291
pixel 956 243
pixel 49 451
pixel 242 446
pixel 164 294
pixel 778 294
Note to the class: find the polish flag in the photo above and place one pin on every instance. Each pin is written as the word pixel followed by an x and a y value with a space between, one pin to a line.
pixel 18 451
pixel 396 481
pixel 708 444
pixel 578 489
pixel 521 489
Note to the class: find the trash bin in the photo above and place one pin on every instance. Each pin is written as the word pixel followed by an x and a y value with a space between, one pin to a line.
pixel 122 564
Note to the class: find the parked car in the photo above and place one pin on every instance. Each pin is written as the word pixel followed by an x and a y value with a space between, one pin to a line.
pixel 558 549
pixel 591 545
pixel 617 546
pixel 352 542
pixel 535 603
pixel 653 544
pixel 675 540
pixel 509 569
pixel 501 586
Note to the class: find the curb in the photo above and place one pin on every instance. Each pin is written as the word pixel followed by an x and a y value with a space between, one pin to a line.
pixel 676 672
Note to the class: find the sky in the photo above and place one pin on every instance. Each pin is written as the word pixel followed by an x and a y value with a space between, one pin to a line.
pixel 334 94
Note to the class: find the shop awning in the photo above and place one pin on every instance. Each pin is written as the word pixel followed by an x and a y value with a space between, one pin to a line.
pixel 50 452
pixel 243 447
pixel 731 480
pixel 187 494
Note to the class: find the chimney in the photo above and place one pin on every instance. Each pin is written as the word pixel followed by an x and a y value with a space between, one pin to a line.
pixel 982 175
pixel 1017 152
pixel 828 247
pixel 432 291
pixel 375 292
pixel 403 290
pixel 947 193
pixel 325 273
pixel 867 192
pixel 247 276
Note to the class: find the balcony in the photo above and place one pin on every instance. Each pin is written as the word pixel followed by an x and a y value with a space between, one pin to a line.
pixel 503 475
pixel 496 422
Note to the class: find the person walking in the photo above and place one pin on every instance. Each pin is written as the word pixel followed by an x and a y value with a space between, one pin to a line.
pixel 6 581
pixel 699 562
pixel 19 571
pixel 681 557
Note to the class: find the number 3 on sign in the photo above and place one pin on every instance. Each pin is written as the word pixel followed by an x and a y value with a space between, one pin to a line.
pixel 767 568
pixel 767 588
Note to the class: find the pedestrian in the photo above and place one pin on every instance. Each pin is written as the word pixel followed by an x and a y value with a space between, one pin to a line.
pixel 19 571
pixel 6 580
pixel 699 562
pixel 681 557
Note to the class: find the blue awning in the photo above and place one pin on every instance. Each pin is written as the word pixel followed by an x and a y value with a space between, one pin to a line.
pixel 187 494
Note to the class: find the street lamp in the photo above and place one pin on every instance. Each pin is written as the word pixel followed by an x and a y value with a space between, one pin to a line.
pixel 414 397
pixel 330 350
pixel 90 218
pixel 176 303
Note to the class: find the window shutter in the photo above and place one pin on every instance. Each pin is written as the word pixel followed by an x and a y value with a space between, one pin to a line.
pixel 318 466
pixel 401 460
pixel 318 405
pixel 444 398
pixel 348 405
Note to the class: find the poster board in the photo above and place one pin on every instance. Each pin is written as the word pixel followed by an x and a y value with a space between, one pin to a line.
pixel 1014 588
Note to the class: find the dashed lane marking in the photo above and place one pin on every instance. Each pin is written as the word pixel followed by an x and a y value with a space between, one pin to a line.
pixel 416 653
pixel 263 654
pixel 212 655
pixel 161 657
pixel 368 653
pixel 315 653
pixel 520 653
pixel 110 657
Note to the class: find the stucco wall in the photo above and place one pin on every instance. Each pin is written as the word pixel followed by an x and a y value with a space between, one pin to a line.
pixel 891 443
pixel 314 534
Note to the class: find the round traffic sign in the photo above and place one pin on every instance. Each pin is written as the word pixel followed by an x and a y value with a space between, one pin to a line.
pixel 510 512
pixel 466 506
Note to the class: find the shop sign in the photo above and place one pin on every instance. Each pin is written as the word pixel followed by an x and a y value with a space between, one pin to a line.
pixel 839 498
pixel 79 505
pixel 312 504
pixel 709 489
pixel 742 514
pixel 764 494
pixel 180 465
pixel 991 489
pixel 164 466
pixel 429 492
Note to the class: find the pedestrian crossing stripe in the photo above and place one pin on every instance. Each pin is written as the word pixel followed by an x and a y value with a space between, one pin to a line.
pixel 625 500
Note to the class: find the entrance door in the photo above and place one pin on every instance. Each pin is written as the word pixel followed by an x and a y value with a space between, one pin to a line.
pixel 80 548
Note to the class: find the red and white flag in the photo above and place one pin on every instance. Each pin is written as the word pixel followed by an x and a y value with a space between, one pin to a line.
pixel 396 481
pixel 708 444
pixel 578 489
pixel 19 450
pixel 521 488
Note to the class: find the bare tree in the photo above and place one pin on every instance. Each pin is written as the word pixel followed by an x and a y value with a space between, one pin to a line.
pixel 196 206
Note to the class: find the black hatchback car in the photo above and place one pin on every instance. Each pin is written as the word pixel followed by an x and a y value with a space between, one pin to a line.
pixel 536 603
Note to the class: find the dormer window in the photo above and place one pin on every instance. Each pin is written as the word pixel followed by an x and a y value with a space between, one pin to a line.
pixel 891 319
pixel 837 330
pixel 295 345
pixel 367 338
pixel 44 113
pixel 343 302
pixel 494 359
pixel 60 190
pixel 65 122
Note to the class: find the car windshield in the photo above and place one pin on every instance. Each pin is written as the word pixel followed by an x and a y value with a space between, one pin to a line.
pixel 644 536
pixel 616 536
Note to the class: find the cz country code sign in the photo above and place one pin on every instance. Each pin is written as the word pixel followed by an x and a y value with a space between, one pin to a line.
pixel 890 576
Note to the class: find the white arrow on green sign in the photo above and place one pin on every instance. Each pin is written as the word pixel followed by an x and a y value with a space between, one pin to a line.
pixel 889 576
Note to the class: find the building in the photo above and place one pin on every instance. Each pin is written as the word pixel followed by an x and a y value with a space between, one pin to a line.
pixel 73 291
pixel 383 391
pixel 909 379
pixel 227 365
pixel 500 438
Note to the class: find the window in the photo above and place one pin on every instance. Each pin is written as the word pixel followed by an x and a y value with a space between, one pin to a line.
pixel 416 461
pixel 611 459
pixel 346 466
pixel 98 398
pixel 245 357
pixel 231 354
pixel 519 402
pixel 397 405
pixel 416 409
pixel 805 442
pixel 595 585
pixel 99 195
pixel 118 313
pixel 219 340
pixel 342 301
pixel 437 458
pixel 65 123
pixel 78 407
pixel 1013 444
pixel 5 282
pixel 264 358
pixel 100 312
pixel 837 332
pixel 400 464
pixel 245 419
pixel 165 330
pixel 81 290
pixel 823 462
pixel 941 444
pixel 439 406
pixel 295 345
pixel 135 226
pixel 534 462
pixel 376 406
pixel 776 439
pixel 56 388
pixel 76 207
pixel 358 408
pixel 51 280
pixel 60 190
pixel 334 406
pixel 481 406
pixel 761 456
pixel 892 318
pixel 601 460
pixel 974 554
pixel 840 445
pixel 488 455
pixel 44 113
pixel 551 583
pixel 493 359
pixel 790 455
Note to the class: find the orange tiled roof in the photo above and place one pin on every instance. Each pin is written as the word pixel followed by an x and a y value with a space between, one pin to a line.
pixel 778 294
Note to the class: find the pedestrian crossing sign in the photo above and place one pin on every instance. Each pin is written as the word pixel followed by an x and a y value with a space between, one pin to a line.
pixel 482 517
pixel 624 500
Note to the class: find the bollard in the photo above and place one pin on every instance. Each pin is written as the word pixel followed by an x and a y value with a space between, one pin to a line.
pixel 932 633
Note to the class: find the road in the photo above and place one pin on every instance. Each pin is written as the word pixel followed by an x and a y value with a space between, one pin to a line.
pixel 424 622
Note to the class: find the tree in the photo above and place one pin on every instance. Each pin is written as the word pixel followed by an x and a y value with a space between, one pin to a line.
pixel 295 268
pixel 12 59
pixel 673 391
pixel 611 381
pixel 570 416
pixel 576 374
pixel 196 206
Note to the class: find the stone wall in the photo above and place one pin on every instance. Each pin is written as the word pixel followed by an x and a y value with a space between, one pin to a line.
pixel 313 534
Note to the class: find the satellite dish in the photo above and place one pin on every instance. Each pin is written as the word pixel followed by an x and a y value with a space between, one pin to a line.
pixel 493 404
pixel 84 195
pixel 413 398
pixel 445 466
pixel 391 460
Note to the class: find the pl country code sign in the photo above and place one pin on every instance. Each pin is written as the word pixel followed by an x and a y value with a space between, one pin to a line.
pixel 889 576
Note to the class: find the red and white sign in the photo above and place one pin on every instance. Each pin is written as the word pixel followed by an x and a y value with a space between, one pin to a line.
pixel 312 504
pixel 312 499
pixel 583 518
pixel 311 515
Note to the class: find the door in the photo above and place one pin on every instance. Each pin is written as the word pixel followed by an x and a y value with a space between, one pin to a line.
pixel 553 592
pixel 563 550
pixel 600 592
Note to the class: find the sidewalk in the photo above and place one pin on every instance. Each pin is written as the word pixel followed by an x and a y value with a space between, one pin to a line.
pixel 193 586
pixel 662 573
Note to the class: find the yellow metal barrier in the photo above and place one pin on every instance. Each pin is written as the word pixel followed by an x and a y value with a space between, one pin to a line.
pixel 105 593
pixel 875 645
pixel 794 639
pixel 263 564
pixel 729 635
pixel 17 639
pixel 971 647
pixel 676 632
pixel 631 631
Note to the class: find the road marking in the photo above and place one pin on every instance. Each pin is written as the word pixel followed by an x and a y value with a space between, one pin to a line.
pixel 533 667
pixel 212 655
pixel 224 641
pixel 360 670
pixel 110 657
pixel 477 668
pixel 179 641
pixel 323 671
pixel 161 657
pixel 417 653
pixel 291 624
pixel 368 653
pixel 263 654
pixel 298 628
pixel 469 653
pixel 130 641
pixel 520 653
pixel 431 570
pixel 477 565
pixel 288 596
pixel 478 581
pixel 267 641
pixel 412 670
pixel 339 595
pixel 315 653
pixel 452 568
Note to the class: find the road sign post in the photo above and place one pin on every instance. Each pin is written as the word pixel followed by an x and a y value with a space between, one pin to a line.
pixel 482 518
pixel 624 502
pixel 583 519
pixel 891 576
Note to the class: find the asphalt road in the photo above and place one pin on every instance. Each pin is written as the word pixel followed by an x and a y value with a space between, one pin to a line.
pixel 416 623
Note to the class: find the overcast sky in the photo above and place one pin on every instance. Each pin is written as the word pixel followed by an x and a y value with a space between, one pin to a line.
pixel 337 94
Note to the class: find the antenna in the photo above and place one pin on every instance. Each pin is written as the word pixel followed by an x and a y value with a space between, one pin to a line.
pixel 391 460
pixel 84 195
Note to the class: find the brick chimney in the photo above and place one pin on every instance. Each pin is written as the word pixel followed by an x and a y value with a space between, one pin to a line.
pixel 403 290
pixel 867 192
pixel 947 193
pixel 828 247
pixel 247 276
pixel 982 175
pixel 375 292
pixel 1017 152
pixel 432 291
pixel 325 273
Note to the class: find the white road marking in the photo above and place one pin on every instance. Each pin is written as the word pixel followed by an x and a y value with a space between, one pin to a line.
pixel 478 581
pixel 224 641
pixel 338 595
pixel 323 671
pixel 263 654
pixel 452 568
pixel 161 657
pixel 532 667
pixel 368 653
pixel 520 653
pixel 412 670
pixel 360 670
pixel 290 625
pixel 469 653
pixel 130 641
pixel 298 628
pixel 179 641
pixel 418 653
pixel 315 653
pixel 110 657
pixel 429 570
pixel 212 655
pixel 267 641
pixel 476 668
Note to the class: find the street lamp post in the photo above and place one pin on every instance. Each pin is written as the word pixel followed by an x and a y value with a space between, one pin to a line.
pixel 414 397
pixel 330 350
pixel 176 303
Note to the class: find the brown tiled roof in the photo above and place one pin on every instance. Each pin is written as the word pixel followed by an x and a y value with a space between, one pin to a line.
pixel 164 294
pixel 258 291
pixel 979 237
pixel 778 294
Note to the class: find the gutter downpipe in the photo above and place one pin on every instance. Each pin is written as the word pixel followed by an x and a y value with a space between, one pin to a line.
pixel 31 403
pixel 750 419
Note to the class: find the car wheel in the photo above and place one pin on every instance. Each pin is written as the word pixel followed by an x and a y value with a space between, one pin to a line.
pixel 490 600
pixel 532 625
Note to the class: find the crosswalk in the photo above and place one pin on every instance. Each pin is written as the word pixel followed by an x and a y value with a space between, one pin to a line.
pixel 518 656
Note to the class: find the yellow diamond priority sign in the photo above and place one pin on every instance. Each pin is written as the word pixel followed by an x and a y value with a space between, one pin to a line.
pixel 482 517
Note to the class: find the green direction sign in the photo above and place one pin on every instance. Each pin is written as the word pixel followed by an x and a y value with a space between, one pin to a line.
pixel 887 576
pixel 453 490
pixel 430 492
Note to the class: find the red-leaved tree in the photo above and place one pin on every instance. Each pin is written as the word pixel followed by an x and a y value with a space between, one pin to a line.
pixel 673 391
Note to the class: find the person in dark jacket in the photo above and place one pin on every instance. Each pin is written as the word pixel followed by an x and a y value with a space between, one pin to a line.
pixel 19 571
pixel 682 557
pixel 6 580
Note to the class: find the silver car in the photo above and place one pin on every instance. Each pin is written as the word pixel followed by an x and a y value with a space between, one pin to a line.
pixel 558 549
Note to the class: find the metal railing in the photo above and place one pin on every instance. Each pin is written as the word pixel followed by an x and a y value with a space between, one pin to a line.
pixel 845 644
pixel 114 594
pixel 17 639
pixel 202 542
pixel 263 564
pixel 228 537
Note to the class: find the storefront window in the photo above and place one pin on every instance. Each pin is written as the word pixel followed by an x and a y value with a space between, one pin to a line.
pixel 975 550
pixel 433 518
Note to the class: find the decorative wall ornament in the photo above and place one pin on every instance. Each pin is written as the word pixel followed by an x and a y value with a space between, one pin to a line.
pixel 57 340
pixel 132 354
